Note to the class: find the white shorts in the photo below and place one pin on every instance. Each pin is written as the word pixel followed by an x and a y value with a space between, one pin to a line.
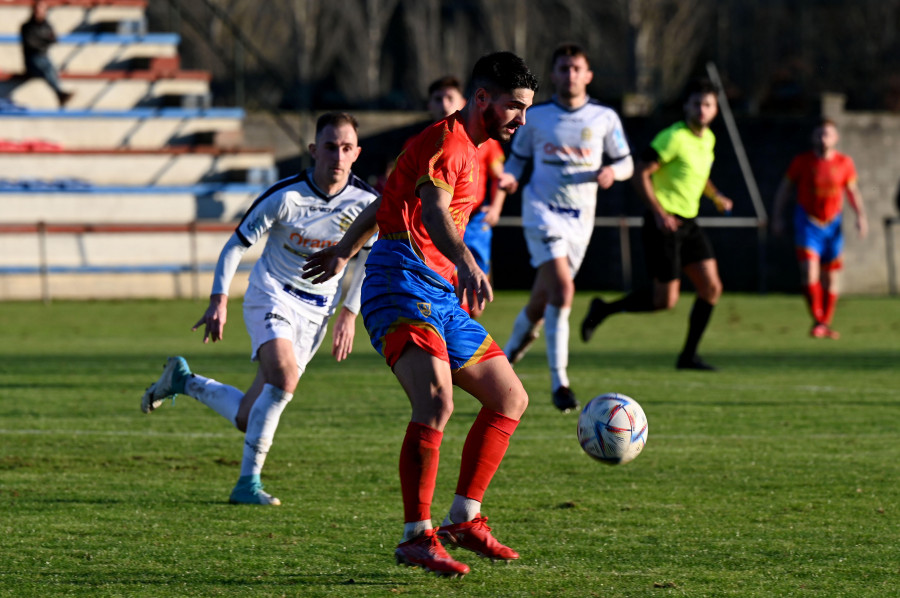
pixel 544 246
pixel 268 317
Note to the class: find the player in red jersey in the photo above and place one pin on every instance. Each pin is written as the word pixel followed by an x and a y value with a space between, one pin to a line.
pixel 444 98
pixel 414 319
pixel 820 177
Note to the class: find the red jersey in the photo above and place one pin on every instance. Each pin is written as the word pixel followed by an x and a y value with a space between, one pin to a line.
pixel 821 183
pixel 445 156
pixel 489 153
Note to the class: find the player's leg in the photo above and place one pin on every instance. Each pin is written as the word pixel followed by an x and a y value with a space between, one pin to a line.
pixel 504 400
pixel 543 248
pixel 703 271
pixel 831 264
pixel 661 250
pixel 555 276
pixel 810 243
pixel 278 373
pixel 705 277
pixel 427 381
pixel 831 278
pixel 411 339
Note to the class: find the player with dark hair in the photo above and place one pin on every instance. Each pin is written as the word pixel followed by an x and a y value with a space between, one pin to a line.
pixel 286 316
pixel 567 139
pixel 820 178
pixel 415 321
pixel 444 98
pixel 672 175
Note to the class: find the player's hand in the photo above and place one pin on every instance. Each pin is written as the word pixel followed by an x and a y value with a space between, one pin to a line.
pixel 508 183
pixel 491 215
pixel 667 222
pixel 473 285
pixel 606 177
pixel 862 227
pixel 343 333
pixel 723 204
pixel 213 319
pixel 324 265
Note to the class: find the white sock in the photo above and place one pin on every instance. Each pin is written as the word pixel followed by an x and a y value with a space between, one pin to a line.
pixel 521 328
pixel 221 398
pixel 463 509
pixel 557 325
pixel 415 528
pixel 261 425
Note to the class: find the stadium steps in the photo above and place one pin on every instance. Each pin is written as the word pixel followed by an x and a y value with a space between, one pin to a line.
pixel 113 90
pixel 133 187
pixel 167 166
pixel 68 16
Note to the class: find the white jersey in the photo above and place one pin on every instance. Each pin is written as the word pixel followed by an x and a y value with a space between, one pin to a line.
pixel 566 147
pixel 301 219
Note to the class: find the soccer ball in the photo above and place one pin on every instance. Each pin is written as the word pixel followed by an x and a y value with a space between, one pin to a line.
pixel 612 428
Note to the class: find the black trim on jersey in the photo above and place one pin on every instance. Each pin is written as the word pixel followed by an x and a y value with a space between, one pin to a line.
pixel 280 185
pixel 352 181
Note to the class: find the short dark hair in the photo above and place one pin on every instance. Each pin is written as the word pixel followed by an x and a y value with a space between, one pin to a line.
pixel 445 82
pixel 336 119
pixel 502 72
pixel 702 86
pixel 568 49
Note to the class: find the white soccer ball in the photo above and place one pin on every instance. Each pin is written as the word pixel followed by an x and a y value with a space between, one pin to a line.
pixel 612 428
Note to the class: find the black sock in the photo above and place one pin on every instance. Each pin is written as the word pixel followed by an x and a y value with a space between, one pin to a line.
pixel 700 315
pixel 635 301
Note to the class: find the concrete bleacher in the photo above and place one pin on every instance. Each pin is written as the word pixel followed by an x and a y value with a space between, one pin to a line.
pixel 144 128
pixel 131 189
pixel 93 52
pixel 168 166
pixel 113 90
pixel 69 16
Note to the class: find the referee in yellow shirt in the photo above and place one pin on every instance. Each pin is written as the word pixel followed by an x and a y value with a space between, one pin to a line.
pixel 671 177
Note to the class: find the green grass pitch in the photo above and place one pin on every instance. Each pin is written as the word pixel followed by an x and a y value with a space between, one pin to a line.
pixel 776 476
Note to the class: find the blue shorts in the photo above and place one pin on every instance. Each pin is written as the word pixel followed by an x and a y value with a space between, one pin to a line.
pixel 478 240
pixel 400 307
pixel 813 238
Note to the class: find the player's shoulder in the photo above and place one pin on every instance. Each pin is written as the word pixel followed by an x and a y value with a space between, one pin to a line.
pixel 296 182
pixel 357 186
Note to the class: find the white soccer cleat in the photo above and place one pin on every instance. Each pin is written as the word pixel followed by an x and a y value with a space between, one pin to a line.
pixel 170 383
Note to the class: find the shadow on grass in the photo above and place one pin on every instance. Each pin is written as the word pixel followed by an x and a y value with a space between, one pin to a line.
pixel 732 361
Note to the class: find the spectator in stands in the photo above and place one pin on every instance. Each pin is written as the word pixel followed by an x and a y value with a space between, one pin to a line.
pixel 37 36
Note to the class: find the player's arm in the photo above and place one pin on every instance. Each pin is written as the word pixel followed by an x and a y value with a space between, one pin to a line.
pixel 643 183
pixel 722 203
pixel 782 197
pixel 494 207
pixel 854 197
pixel 213 319
pixel 344 328
pixel 618 170
pixel 327 263
pixel 473 283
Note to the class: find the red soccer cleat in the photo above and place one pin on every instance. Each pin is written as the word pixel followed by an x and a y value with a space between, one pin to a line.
pixel 476 536
pixel 426 551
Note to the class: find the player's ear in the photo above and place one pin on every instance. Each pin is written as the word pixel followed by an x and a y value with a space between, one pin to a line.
pixel 482 97
pixel 312 150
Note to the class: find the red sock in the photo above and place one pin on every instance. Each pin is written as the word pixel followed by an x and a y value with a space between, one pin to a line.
pixel 485 447
pixel 419 458
pixel 813 294
pixel 830 304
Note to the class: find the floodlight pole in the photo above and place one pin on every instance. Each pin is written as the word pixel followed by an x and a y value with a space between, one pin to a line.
pixel 746 171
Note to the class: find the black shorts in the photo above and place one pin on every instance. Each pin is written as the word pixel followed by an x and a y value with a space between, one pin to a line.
pixel 667 253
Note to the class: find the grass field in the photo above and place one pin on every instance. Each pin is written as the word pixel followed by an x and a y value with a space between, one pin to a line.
pixel 777 476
